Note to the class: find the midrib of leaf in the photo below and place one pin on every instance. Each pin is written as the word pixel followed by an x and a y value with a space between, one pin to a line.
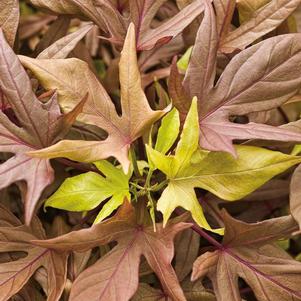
pixel 126 251
pixel 158 263
pixel 165 26
pixel 21 100
pixel 141 16
pixel 16 165
pixel 118 129
pixel 226 11
pixel 257 272
pixel 265 238
pixel 224 249
pixel 18 142
pixel 81 4
pixel 29 265
pixel 208 53
pixel 229 101
pixel 234 172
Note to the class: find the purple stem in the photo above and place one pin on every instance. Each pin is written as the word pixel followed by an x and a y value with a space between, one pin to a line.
pixel 205 235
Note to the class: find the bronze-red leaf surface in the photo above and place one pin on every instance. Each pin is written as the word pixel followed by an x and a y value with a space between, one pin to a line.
pixel 259 78
pixel 115 276
pixel 37 125
pixel 248 252
pixel 15 273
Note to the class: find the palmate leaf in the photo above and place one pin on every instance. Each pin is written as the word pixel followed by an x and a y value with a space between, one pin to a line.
pixel 112 20
pixel 259 78
pixel 40 126
pixel 218 172
pixel 74 80
pixel 248 252
pixel 14 274
pixel 115 276
pixel 86 191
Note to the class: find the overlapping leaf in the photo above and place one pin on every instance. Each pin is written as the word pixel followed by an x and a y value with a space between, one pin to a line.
pixel 218 172
pixel 263 20
pixel 74 80
pixel 80 8
pixel 115 276
pixel 62 47
pixel 113 21
pixel 259 78
pixel 15 273
pixel 39 125
pixel 248 252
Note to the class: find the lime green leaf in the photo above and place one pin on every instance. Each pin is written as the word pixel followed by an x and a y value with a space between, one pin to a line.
pixel 218 172
pixel 298 257
pixel 283 244
pixel 232 179
pixel 100 68
pixel 168 131
pixel 189 141
pixel 184 60
pixel 296 150
pixel 175 195
pixel 86 191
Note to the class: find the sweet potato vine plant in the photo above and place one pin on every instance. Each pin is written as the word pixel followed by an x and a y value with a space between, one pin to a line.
pixel 128 128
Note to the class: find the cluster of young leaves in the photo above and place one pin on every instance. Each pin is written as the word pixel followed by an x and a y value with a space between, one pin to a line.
pixel 137 157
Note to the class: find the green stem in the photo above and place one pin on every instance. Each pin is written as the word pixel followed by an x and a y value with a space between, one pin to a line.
pixel 158 187
pixel 148 177
pixel 134 161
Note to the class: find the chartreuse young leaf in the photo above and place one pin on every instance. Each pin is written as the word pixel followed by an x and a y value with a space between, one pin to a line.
pixel 218 172
pixel 86 191
pixel 167 134
pixel 296 150
pixel 174 196
pixel 184 60
pixel 168 131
